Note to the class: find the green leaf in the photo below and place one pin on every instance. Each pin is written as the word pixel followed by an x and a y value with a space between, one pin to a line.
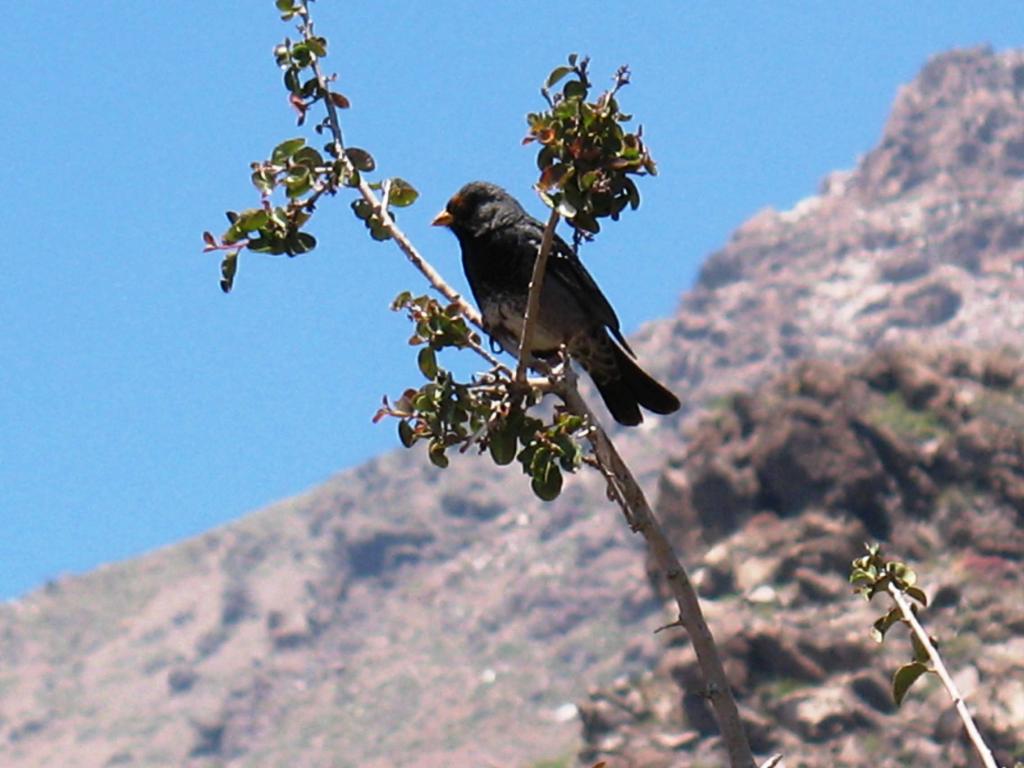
pixel 252 219
pixel 401 300
pixel 308 157
pixel 318 45
pixel 302 55
pixel 286 149
pixel 301 242
pixel 275 246
pixel 574 89
pixel 903 573
pixel 228 268
pixel 557 74
pixel 857 576
pixel 402 193
pixel 918 594
pixel 291 80
pixel 360 159
pixel 884 624
pixel 436 454
pixel 547 483
pixel 633 192
pixel 502 445
pixel 304 242
pixel 406 434
pixel 378 231
pixel 298 183
pixel 427 362
pixel 263 180
pixel 905 677
pixel 362 209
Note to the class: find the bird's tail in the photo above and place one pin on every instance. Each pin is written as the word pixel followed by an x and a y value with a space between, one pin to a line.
pixel 625 386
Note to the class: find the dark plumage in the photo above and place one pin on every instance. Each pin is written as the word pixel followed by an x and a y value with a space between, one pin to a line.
pixel 499 242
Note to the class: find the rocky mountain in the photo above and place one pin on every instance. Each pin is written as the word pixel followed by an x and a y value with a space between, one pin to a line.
pixel 400 615
pixel 775 495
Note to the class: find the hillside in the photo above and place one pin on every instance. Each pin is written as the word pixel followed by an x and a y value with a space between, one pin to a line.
pixel 401 615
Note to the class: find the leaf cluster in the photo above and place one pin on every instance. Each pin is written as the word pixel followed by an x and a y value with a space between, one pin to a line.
pixel 586 155
pixel 491 412
pixel 300 172
pixel 873 574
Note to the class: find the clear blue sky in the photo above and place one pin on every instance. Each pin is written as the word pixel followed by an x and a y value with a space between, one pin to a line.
pixel 139 405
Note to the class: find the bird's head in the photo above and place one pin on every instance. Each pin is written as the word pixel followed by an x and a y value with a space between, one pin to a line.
pixel 478 208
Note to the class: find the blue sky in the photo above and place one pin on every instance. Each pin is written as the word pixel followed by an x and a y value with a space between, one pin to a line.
pixel 140 406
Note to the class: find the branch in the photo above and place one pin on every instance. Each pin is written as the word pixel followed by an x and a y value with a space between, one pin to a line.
pixel 533 298
pixel 940 669
pixel 624 489
pixel 380 207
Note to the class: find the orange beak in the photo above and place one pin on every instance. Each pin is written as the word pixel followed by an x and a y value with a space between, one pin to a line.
pixel 443 219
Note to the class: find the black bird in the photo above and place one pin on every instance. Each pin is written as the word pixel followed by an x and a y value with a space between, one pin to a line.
pixel 499 242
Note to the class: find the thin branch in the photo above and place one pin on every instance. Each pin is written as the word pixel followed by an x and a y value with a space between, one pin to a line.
pixel 624 489
pixel 380 208
pixel 533 299
pixel 940 669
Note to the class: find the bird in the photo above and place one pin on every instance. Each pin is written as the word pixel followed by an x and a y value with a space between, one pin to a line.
pixel 499 241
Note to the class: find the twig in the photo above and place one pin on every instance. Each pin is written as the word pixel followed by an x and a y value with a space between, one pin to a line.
pixel 380 208
pixel 626 491
pixel 940 669
pixel 533 300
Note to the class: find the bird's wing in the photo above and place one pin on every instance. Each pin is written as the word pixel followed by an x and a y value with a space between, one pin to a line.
pixel 566 267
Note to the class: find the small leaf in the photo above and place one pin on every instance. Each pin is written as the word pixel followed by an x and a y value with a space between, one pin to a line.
pixel 308 157
pixel 318 45
pixel 918 594
pixel 574 89
pixel 360 159
pixel 436 454
pixel 301 242
pixel 340 101
pixel 557 74
pixel 286 149
pixel 228 268
pixel 402 193
pixel 502 445
pixel 905 677
pixel 884 624
pixel 401 300
pixel 547 484
pixel 291 81
pixel 362 209
pixel 252 219
pixel 406 434
pixel 427 362
pixel 378 231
